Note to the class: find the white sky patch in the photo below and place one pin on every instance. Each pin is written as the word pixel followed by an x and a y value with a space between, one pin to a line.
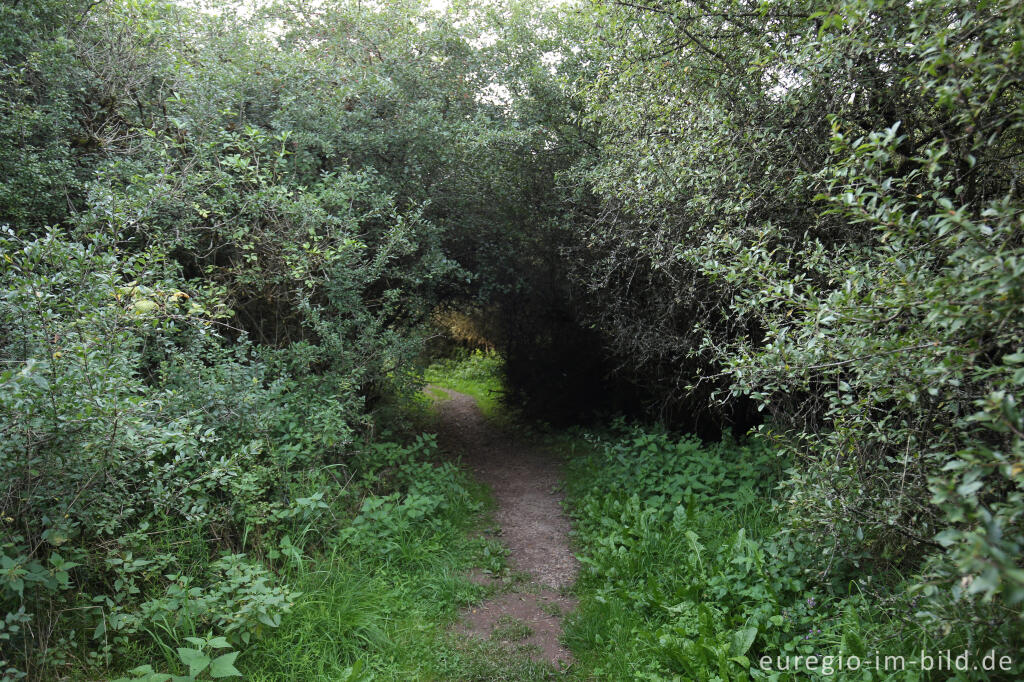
pixel 496 94
pixel 552 58
pixel 485 39
pixel 784 80
pixel 241 8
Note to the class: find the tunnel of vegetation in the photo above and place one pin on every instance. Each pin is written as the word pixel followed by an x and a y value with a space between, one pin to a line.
pixel 230 238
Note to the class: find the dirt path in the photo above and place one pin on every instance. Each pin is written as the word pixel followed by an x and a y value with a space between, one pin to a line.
pixel 532 526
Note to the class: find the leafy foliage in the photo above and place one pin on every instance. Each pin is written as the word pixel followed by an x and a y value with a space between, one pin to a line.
pixel 815 210
pixel 50 113
pixel 224 234
pixel 688 572
pixel 202 300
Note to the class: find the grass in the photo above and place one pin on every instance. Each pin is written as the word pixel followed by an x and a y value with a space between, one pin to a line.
pixel 387 616
pixel 478 375
pixel 510 629
pixel 436 393
pixel 392 622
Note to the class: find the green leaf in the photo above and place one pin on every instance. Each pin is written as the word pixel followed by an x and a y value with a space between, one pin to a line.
pixel 967 489
pixel 741 641
pixel 223 666
pixel 195 659
pixel 853 645
pixel 742 660
pixel 354 673
pixel 144 306
pixel 948 537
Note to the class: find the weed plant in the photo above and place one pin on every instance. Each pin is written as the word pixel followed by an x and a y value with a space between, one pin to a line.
pixel 694 569
pixel 371 599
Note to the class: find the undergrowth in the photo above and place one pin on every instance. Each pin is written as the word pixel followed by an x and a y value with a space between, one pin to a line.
pixel 693 569
pixel 387 582
pixel 371 600
pixel 478 374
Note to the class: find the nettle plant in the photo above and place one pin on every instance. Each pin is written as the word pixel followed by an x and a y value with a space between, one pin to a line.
pixel 425 494
pixel 684 566
pixel 205 659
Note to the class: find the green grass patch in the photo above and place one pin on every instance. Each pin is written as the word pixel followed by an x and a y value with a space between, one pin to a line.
pixel 477 375
pixel 510 629
pixel 388 617
pixel 378 602
pixel 436 393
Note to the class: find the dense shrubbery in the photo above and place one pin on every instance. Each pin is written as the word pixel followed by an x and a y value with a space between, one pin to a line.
pixel 216 260
pixel 138 446
pixel 817 208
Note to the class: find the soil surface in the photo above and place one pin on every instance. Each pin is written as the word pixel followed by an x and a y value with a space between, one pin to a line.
pixel 531 524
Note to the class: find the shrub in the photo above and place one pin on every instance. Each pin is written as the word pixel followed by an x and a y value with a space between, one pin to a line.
pixel 827 225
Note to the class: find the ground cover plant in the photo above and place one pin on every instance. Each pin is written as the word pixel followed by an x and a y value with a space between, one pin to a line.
pixel 695 568
pixel 373 598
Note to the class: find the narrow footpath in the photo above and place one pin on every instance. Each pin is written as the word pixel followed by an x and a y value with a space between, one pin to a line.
pixel 525 483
